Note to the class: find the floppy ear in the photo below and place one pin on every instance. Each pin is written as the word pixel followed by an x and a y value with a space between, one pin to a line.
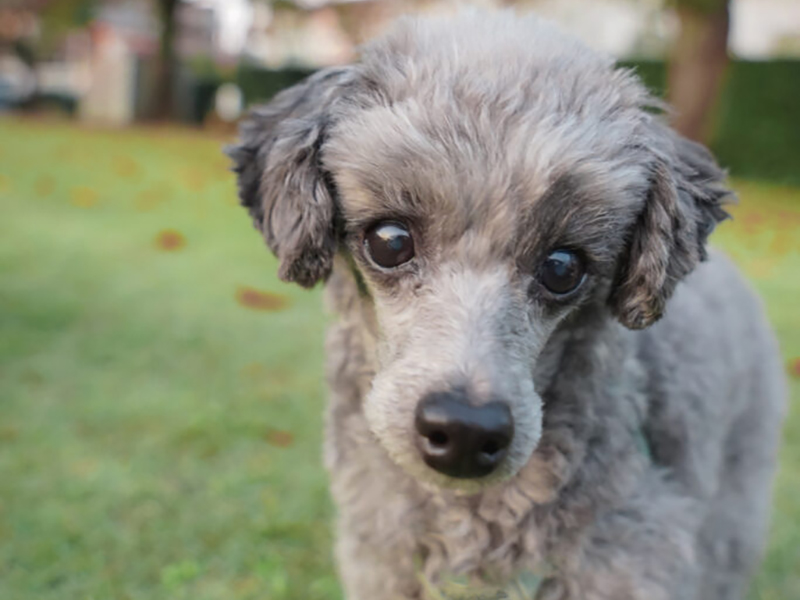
pixel 280 177
pixel 668 240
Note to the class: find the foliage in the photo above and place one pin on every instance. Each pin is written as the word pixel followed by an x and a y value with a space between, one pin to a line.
pixel 757 132
pixel 757 129
pixel 160 419
pixel 701 6
pixel 59 17
pixel 259 84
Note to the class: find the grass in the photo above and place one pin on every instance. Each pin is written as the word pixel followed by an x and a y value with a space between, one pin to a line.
pixel 161 391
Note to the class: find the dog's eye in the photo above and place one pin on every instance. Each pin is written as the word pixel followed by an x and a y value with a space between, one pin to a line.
pixel 562 272
pixel 389 244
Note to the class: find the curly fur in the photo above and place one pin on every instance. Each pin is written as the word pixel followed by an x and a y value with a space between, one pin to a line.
pixel 497 139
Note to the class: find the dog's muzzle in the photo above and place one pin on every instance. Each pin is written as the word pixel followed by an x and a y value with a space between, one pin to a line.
pixel 459 439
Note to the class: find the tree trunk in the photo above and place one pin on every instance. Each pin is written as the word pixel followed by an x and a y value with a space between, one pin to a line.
pixel 697 67
pixel 165 101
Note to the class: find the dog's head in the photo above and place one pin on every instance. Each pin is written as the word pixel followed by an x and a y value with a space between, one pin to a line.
pixel 485 178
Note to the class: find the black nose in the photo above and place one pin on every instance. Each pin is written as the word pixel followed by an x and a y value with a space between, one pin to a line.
pixel 461 440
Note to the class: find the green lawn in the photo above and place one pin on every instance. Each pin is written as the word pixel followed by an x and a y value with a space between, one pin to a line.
pixel 161 391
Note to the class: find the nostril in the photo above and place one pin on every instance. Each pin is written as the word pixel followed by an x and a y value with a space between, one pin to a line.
pixel 438 439
pixel 490 448
pixel 494 448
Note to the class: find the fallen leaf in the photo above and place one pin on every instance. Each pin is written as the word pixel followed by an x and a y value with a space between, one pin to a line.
pixel 254 370
pixel 45 186
pixel 762 267
pixel 125 166
pixel 752 222
pixel 194 179
pixel 170 240
pixel 8 433
pixel 83 197
pixel 794 367
pixel 281 439
pixel 84 468
pixel 258 300
pixel 782 243
pixel 151 197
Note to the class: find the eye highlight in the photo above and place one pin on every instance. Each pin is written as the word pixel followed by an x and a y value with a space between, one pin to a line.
pixel 562 272
pixel 389 244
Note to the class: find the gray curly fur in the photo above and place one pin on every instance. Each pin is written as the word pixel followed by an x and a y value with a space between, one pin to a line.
pixel 497 139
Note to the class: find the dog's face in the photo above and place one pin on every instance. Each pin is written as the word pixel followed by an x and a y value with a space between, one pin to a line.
pixel 482 195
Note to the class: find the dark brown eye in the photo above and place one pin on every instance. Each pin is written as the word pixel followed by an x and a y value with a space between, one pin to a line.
pixel 389 244
pixel 562 272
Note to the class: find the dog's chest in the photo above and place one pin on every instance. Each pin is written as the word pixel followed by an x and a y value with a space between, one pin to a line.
pixel 477 549
pixel 524 586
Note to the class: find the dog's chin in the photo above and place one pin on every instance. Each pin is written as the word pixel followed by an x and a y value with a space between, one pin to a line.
pixel 435 482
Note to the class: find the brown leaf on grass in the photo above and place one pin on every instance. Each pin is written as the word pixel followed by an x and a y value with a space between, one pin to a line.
pixel 794 367
pixel 258 300
pixel 8 433
pixel 262 374
pixel 762 267
pixel 248 585
pixel 281 439
pixel 83 197
pixel 254 370
pixel 150 198
pixel 789 218
pixel 32 377
pixel 170 240
pixel 783 242
pixel 194 179
pixel 125 166
pixel 45 186
pixel 85 468
pixel 752 221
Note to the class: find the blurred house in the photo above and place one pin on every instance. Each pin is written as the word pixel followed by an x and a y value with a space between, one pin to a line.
pixel 109 68
pixel 290 35
pixel 323 32
pixel 196 31
pixel 17 76
pixel 763 29
pixel 124 35
pixel 124 56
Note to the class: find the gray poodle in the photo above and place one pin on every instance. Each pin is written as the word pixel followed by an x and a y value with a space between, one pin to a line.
pixel 542 385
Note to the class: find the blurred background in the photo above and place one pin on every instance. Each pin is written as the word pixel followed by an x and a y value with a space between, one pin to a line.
pixel 161 392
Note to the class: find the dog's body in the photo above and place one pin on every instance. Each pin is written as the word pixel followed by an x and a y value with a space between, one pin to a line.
pixel 642 452
pixel 683 519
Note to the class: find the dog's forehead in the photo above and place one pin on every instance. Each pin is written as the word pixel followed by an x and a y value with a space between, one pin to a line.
pixel 464 127
pixel 453 172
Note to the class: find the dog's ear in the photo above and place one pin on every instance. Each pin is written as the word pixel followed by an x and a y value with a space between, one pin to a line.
pixel 280 177
pixel 668 240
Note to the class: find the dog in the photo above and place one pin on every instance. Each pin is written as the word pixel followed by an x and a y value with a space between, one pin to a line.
pixel 542 383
